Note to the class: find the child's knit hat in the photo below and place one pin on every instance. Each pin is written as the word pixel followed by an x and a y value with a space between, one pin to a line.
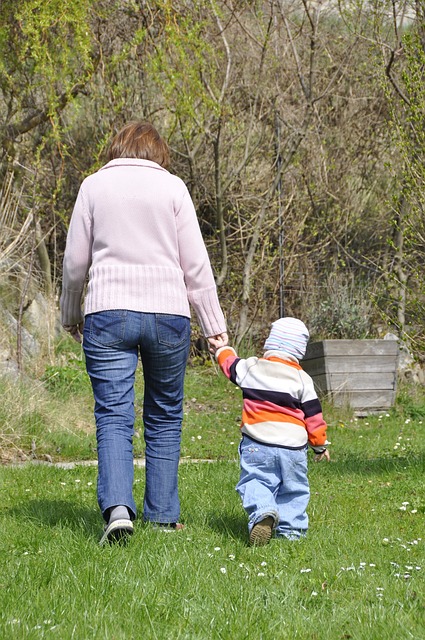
pixel 289 335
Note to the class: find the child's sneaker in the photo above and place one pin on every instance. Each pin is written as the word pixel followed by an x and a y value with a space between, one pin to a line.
pixel 261 532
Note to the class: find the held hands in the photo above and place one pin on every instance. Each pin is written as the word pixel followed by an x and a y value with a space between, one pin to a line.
pixel 75 331
pixel 322 456
pixel 218 341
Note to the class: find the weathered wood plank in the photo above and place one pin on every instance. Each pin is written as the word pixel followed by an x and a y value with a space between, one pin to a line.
pixel 342 382
pixel 351 347
pixel 353 364
pixel 364 400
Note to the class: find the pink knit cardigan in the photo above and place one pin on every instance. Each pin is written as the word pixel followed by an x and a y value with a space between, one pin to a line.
pixel 135 241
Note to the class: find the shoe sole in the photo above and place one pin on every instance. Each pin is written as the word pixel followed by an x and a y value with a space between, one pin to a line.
pixel 261 532
pixel 117 531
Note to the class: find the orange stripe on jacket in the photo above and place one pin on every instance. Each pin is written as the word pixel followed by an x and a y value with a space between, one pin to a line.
pixel 254 412
pixel 287 362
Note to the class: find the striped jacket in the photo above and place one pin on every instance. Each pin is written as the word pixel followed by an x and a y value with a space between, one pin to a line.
pixel 280 404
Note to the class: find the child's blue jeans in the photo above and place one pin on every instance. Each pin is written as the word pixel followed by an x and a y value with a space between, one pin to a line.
pixel 273 481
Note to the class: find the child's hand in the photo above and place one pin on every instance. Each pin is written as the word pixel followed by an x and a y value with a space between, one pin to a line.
pixel 322 456
pixel 218 341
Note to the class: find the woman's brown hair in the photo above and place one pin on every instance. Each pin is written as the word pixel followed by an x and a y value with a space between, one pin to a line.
pixel 139 140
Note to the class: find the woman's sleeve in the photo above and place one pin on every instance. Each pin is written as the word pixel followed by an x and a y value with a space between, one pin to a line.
pixel 198 274
pixel 76 262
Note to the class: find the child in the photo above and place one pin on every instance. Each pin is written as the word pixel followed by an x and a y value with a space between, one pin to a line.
pixel 281 416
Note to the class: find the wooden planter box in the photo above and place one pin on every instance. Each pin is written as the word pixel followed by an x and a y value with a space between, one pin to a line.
pixel 361 374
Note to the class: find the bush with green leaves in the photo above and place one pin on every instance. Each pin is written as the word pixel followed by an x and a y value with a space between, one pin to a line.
pixel 341 311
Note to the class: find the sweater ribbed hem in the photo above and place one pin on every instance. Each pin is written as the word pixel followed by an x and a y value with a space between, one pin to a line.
pixel 149 289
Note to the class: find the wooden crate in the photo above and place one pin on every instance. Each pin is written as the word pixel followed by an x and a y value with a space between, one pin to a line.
pixel 359 373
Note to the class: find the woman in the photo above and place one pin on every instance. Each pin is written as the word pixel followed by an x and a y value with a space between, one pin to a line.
pixel 135 234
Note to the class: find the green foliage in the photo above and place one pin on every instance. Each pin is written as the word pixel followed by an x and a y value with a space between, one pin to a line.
pixel 47 55
pixel 410 402
pixel 48 41
pixel 343 311
pixel 67 378
pixel 406 99
pixel 40 425
pixel 217 78
pixel 45 49
pixel 180 63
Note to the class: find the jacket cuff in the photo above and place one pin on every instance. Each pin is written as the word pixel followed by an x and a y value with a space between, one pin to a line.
pixel 226 348
pixel 319 448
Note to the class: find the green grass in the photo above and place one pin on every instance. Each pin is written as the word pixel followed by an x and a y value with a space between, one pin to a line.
pixel 360 574
pixel 52 418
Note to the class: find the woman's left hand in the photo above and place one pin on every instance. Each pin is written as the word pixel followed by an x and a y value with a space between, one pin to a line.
pixel 75 330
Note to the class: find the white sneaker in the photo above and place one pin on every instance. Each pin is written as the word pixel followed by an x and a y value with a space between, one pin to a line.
pixel 117 531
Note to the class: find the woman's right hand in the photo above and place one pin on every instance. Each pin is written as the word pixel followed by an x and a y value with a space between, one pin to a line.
pixel 218 341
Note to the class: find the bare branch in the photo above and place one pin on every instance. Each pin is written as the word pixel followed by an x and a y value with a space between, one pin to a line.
pixel 228 53
pixel 390 76
pixel 300 74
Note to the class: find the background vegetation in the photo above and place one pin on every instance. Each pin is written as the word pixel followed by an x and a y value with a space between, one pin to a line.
pixel 299 128
pixel 297 125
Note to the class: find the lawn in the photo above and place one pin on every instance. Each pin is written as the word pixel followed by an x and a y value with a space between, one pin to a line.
pixel 359 574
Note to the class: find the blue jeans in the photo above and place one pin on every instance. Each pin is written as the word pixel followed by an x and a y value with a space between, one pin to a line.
pixel 113 341
pixel 273 481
